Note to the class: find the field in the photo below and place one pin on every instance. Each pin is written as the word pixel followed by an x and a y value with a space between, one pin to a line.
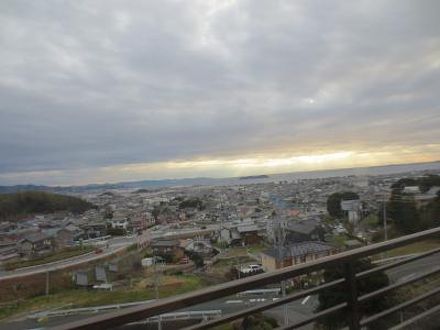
pixel 415 248
pixel 140 289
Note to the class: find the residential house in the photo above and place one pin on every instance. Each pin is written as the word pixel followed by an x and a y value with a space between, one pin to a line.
pixel 67 236
pixel 411 190
pixel 8 249
pixel 36 244
pixel 249 234
pixel 7 226
pixel 427 197
pixel 170 250
pixel 294 254
pixel 94 229
pixel 303 230
pixel 229 236
pixel 243 234
pixel 119 223
pixel 201 247
pixel 141 222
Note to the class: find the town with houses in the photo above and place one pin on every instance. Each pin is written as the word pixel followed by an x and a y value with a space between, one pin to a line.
pixel 220 216
pixel 222 232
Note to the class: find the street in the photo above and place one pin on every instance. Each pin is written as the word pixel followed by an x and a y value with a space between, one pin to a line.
pixel 296 310
pixel 115 245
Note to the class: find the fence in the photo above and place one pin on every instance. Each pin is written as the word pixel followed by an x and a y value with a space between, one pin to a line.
pixel 344 259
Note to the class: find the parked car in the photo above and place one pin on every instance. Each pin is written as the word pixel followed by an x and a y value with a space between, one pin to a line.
pixel 251 269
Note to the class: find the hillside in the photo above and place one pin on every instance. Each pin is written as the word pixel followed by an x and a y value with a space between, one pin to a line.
pixel 20 204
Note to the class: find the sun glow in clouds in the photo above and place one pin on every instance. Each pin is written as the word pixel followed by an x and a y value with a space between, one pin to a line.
pixel 262 161
pixel 226 166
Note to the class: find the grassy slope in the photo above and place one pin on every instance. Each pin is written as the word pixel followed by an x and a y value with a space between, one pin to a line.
pixel 170 285
pixel 418 247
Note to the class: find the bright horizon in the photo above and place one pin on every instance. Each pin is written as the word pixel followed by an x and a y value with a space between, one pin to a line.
pixel 110 91
pixel 106 174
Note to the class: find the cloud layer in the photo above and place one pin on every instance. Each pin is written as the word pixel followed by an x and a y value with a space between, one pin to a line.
pixel 116 84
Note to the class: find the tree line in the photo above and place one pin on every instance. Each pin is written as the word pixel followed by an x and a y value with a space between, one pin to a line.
pixel 21 204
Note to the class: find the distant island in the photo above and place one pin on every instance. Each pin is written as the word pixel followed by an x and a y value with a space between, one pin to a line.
pixel 254 177
pixel 22 204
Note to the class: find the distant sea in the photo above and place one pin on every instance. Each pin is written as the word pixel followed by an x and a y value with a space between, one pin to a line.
pixel 263 178
pixel 357 171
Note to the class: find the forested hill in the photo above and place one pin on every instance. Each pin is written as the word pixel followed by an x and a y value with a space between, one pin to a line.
pixel 20 204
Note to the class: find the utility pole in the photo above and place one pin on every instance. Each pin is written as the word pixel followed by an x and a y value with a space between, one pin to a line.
pixel 283 292
pixel 385 228
pixel 385 219
pixel 222 213
pixel 279 244
pixel 156 289
pixel 47 283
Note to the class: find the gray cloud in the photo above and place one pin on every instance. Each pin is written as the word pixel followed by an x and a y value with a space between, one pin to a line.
pixel 91 84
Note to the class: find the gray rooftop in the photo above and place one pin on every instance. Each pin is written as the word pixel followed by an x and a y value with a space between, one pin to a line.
pixel 165 243
pixel 247 228
pixel 300 249
pixel 303 226
pixel 36 237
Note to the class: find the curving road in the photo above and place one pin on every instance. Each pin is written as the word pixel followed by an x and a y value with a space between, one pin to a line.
pixel 115 245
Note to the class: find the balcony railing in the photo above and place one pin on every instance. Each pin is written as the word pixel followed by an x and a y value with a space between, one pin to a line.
pixel 345 260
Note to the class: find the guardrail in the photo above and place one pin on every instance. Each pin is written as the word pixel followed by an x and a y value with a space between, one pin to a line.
pixel 344 259
pixel 187 315
pixel 59 312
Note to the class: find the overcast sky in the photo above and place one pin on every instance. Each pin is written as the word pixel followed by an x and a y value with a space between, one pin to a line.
pixel 104 91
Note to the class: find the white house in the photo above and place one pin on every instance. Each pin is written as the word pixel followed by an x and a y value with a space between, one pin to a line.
pixel 119 223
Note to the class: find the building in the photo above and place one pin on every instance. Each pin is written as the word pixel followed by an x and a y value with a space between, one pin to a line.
pixel 427 197
pixel 303 230
pixel 353 208
pixel 67 236
pixel 201 247
pixel 36 244
pixel 243 234
pixel 8 250
pixel 294 254
pixel 229 236
pixel 249 234
pixel 141 222
pixel 411 190
pixel 119 223
pixel 94 229
pixel 170 250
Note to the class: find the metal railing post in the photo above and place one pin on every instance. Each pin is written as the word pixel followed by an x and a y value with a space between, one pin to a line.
pixel 346 261
pixel 285 311
pixel 352 299
pixel 47 283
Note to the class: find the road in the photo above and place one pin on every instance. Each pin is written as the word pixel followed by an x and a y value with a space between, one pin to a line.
pixel 297 310
pixel 115 245
pixel 414 268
